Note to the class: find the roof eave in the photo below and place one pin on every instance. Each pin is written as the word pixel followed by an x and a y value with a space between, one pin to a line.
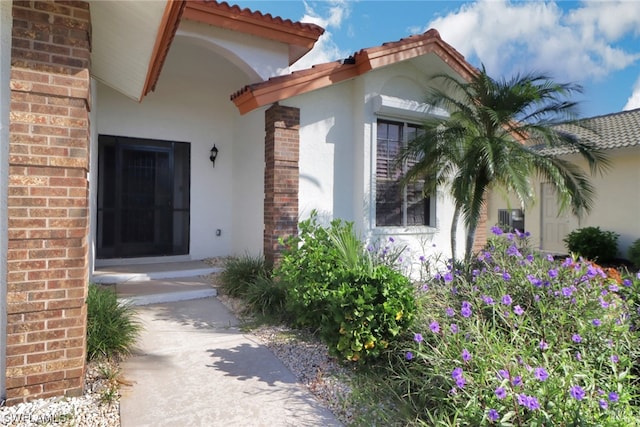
pixel 300 37
pixel 319 76
pixel 166 32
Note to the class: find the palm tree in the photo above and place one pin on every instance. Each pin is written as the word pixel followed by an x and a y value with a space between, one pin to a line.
pixel 500 134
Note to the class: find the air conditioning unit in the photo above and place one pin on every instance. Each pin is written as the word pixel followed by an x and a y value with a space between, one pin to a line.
pixel 511 219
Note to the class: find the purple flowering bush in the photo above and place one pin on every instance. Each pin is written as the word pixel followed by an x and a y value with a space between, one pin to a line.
pixel 522 339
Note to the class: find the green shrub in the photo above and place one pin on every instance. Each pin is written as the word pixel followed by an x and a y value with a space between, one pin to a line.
pixel 334 285
pixel 265 297
pixel 240 272
pixel 524 341
pixel 634 253
pixel 365 310
pixel 112 329
pixel 593 244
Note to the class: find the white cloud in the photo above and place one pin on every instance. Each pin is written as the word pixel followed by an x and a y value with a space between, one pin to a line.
pixel 538 36
pixel 634 100
pixel 334 13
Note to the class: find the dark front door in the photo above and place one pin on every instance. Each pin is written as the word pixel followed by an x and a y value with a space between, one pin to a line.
pixel 143 197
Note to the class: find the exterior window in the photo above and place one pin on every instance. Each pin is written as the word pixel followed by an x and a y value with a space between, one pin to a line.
pixel 395 205
pixel 511 219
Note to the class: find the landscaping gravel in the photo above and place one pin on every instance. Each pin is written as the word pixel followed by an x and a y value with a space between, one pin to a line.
pixel 88 410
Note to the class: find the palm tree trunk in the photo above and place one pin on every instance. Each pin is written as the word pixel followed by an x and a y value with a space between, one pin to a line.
pixel 471 236
pixel 454 233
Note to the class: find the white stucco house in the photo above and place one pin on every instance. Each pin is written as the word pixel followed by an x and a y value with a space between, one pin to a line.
pixel 617 191
pixel 155 193
pixel 109 113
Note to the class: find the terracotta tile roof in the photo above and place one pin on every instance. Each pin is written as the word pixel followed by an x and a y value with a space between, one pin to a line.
pixel 300 36
pixel 607 132
pixel 319 76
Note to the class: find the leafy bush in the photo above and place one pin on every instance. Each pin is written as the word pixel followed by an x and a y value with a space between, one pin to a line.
pixel 593 244
pixel 634 253
pixel 240 272
pixel 524 341
pixel 334 284
pixel 112 329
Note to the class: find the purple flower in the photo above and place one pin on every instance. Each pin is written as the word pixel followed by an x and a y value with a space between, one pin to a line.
pixel 540 374
pixel 576 338
pixel 408 355
pixel 493 415
pixel 466 309
pixel 567 292
pixel 450 312
pixel 615 358
pixel 578 356
pixel 603 404
pixel 454 328
pixel 553 273
pixel 534 281
pixel 487 300
pixel 613 396
pixel 596 322
pixel 422 258
pixel 434 326
pixel 506 276
pixel 504 374
pixel 567 262
pixel 550 258
pixel 461 381
pixel 529 402
pixel 627 282
pixel 448 277
pixel 501 393
pixel 513 251
pixel 496 230
pixel 518 310
pixel 543 345
pixel 576 392
pixel 391 239
pixel 506 299
pixel 614 288
pixel 466 356
pixel 517 381
pixel 418 338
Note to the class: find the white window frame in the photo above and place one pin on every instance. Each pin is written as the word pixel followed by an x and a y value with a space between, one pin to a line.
pixel 408 112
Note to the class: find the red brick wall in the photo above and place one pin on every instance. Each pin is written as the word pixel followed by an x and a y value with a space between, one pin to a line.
pixel 48 199
pixel 281 177
pixel 481 231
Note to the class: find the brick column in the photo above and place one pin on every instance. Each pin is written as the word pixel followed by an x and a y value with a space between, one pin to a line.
pixel 281 177
pixel 48 199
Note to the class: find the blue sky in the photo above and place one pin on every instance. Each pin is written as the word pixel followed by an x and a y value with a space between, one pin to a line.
pixel 592 43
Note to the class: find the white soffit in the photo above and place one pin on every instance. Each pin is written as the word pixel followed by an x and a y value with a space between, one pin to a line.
pixel 408 109
pixel 123 37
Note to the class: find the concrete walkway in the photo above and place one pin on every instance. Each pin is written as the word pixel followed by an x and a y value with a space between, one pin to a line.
pixel 195 367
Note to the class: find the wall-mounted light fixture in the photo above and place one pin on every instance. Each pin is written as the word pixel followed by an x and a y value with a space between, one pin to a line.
pixel 213 155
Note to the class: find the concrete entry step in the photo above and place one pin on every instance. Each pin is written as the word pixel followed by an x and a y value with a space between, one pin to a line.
pixel 163 291
pixel 144 284
pixel 155 271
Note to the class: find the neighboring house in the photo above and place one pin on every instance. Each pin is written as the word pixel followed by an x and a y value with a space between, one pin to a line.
pixel 114 108
pixel 617 191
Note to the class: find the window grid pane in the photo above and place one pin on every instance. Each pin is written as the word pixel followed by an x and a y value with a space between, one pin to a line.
pixel 397 206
